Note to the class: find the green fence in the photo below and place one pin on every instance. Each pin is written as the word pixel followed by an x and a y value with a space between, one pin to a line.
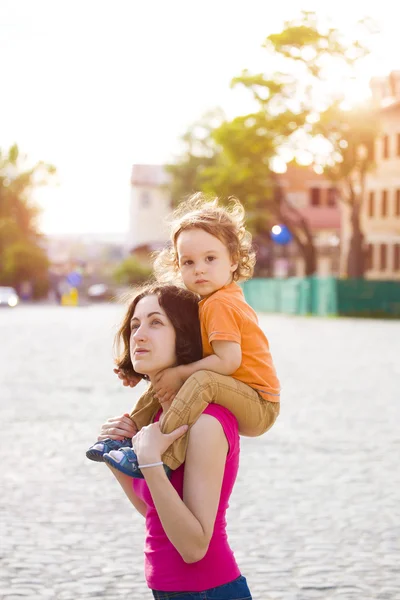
pixel 324 296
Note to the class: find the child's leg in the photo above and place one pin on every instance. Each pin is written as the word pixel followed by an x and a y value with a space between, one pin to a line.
pixel 254 414
pixel 145 409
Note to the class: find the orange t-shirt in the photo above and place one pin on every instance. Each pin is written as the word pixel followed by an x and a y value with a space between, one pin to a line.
pixel 226 316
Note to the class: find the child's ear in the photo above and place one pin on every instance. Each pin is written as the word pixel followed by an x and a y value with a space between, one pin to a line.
pixel 234 266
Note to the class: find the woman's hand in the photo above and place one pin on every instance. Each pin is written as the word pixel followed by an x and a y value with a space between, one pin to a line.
pixel 150 443
pixel 127 380
pixel 117 428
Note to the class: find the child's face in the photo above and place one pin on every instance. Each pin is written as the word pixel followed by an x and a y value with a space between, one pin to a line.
pixel 204 261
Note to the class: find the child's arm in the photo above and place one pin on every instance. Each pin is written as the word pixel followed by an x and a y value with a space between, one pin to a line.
pixel 226 360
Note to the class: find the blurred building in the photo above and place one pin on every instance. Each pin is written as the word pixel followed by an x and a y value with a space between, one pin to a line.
pixel 381 208
pixel 317 200
pixel 93 255
pixel 64 248
pixel 150 204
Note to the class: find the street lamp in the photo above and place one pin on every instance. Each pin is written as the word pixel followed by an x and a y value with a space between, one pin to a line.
pixel 282 236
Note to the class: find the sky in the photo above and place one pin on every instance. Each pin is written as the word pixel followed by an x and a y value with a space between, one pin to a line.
pixel 94 86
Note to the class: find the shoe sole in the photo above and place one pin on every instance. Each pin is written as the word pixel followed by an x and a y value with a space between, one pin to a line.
pixel 95 455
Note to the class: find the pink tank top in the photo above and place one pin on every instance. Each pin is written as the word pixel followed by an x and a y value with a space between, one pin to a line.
pixel 165 569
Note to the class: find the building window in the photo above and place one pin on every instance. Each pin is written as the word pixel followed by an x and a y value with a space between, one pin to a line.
pixel 397 203
pixel 383 257
pixel 371 202
pixel 315 196
pixel 385 146
pixel 371 151
pixel 384 203
pixel 398 144
pixel 396 257
pixel 332 195
pixel 375 149
pixel 145 200
pixel 370 257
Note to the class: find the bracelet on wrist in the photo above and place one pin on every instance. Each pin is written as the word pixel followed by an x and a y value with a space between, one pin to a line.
pixel 156 464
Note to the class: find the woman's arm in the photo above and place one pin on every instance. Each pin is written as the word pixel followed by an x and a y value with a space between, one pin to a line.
pixel 126 483
pixel 118 428
pixel 189 524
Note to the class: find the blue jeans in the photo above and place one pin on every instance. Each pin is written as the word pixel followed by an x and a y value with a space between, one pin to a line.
pixel 235 590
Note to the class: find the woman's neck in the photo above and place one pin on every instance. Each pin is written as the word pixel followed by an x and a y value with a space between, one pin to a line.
pixel 164 405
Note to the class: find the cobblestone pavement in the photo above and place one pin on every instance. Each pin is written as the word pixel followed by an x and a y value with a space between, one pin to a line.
pixel 315 514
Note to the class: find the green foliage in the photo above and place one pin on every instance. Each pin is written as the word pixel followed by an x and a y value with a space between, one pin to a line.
pixel 21 256
pixel 351 135
pixel 236 162
pixel 25 261
pixel 316 45
pixel 22 259
pixel 132 271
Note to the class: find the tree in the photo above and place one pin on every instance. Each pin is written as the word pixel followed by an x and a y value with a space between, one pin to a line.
pixel 199 153
pixel 236 161
pixel 251 143
pixel 21 254
pixel 234 158
pixel 351 135
pixel 24 261
pixel 310 53
pixel 294 107
pixel 131 271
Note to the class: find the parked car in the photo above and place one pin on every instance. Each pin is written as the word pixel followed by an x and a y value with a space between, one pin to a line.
pixel 8 297
pixel 100 292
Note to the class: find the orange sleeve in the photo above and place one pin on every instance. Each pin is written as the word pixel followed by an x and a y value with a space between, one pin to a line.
pixel 222 322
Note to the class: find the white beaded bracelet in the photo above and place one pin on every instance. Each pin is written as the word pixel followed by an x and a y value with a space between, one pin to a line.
pixel 158 464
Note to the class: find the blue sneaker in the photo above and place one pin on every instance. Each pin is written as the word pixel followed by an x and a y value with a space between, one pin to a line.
pixel 97 451
pixel 129 463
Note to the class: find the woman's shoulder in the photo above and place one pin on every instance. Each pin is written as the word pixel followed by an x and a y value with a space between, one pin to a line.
pixel 228 423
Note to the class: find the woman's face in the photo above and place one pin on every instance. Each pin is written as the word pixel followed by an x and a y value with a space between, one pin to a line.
pixel 152 343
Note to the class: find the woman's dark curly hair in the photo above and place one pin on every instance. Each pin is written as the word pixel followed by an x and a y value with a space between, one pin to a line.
pixel 182 308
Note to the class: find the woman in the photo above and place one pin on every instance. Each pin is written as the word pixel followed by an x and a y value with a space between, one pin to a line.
pixel 186 550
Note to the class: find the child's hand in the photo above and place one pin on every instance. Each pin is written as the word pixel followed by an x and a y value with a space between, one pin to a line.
pixel 167 383
pixel 127 380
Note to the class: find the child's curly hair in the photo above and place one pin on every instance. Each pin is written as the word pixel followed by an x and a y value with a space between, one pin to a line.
pixel 223 222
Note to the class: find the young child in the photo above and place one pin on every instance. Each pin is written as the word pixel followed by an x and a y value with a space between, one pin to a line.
pixel 210 251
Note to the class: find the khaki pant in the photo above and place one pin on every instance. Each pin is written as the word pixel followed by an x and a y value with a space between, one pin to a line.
pixel 255 415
